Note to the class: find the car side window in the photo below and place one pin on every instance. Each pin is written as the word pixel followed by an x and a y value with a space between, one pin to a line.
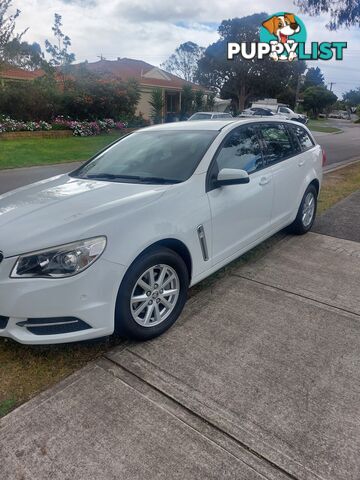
pixel 278 144
pixel 241 150
pixel 303 137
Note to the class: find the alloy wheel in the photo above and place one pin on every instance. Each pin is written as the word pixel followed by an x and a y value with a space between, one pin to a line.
pixel 308 209
pixel 154 295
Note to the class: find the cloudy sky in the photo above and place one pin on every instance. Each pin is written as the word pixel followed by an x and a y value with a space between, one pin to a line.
pixel 150 30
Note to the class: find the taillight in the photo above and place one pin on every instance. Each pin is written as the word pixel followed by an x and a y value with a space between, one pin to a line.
pixel 323 157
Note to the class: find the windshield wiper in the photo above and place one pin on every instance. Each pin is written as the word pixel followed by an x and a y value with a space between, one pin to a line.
pixel 112 176
pixel 158 180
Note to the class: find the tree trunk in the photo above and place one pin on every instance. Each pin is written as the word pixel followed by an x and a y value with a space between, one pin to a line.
pixel 242 97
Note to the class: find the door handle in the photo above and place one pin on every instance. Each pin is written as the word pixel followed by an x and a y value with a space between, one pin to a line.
pixel 264 180
pixel 301 163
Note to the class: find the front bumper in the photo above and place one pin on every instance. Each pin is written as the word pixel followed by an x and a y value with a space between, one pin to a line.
pixel 89 297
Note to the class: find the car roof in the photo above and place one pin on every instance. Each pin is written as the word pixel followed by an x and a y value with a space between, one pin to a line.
pixel 198 125
pixel 215 125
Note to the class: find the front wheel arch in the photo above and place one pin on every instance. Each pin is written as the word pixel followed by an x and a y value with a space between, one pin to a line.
pixel 176 246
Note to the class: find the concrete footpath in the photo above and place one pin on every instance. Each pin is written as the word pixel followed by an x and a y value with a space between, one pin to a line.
pixel 259 379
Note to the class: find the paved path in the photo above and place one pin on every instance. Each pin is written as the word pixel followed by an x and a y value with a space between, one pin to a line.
pixel 259 379
pixel 342 220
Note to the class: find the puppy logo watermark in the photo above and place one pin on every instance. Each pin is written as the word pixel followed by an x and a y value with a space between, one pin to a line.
pixel 283 38
pixel 283 32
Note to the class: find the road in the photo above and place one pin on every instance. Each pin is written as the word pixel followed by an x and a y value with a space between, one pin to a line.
pixel 342 147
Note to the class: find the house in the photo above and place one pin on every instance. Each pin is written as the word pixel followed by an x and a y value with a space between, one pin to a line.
pixel 15 74
pixel 149 77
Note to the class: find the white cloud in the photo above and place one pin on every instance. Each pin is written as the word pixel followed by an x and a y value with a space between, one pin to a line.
pixel 151 29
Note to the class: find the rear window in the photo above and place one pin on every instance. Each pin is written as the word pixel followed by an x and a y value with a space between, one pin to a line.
pixel 222 115
pixel 278 143
pixel 302 136
pixel 201 116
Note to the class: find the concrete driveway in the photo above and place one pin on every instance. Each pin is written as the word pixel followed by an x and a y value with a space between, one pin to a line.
pixel 259 379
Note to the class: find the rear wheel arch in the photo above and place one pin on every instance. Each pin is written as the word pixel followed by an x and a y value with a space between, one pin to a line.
pixel 316 184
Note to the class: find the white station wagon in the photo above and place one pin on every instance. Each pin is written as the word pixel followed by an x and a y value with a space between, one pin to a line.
pixel 115 244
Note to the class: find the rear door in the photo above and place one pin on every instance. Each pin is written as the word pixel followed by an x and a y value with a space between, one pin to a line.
pixel 240 213
pixel 281 152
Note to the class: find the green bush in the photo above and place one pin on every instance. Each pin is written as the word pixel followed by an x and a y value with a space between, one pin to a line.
pixel 83 96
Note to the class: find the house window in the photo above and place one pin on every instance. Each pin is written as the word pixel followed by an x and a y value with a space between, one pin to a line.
pixel 172 102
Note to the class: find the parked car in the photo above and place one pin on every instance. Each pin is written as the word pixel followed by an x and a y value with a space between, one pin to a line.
pixel 341 114
pixel 291 115
pixel 210 116
pixel 116 243
pixel 257 111
pixel 280 109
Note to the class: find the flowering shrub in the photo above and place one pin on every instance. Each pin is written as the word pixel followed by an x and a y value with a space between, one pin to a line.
pixel 7 124
pixel 80 129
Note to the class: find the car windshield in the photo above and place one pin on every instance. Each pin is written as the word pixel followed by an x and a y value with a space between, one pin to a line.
pixel 150 157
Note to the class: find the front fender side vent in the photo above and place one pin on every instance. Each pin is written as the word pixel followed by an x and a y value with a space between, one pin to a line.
pixel 203 244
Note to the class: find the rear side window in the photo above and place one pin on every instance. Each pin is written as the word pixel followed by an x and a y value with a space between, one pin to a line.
pixel 241 149
pixel 303 137
pixel 278 145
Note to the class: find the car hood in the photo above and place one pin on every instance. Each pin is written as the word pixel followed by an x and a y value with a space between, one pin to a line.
pixel 64 209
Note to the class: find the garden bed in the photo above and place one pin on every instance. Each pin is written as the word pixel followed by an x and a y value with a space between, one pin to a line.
pixel 51 134
pixel 41 134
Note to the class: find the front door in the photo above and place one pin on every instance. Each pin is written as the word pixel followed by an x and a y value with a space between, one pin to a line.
pixel 240 213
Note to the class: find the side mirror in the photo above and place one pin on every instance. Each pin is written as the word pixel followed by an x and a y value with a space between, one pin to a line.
pixel 231 176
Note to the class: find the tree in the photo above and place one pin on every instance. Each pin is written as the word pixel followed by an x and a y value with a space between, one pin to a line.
pixel 318 98
pixel 240 79
pixel 352 97
pixel 7 26
pixel 23 54
pixel 183 62
pixel 313 77
pixel 210 102
pixel 344 13
pixel 198 100
pixel 59 51
pixel 157 105
pixel 187 99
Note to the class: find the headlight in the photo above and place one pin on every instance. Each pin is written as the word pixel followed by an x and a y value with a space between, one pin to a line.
pixel 59 262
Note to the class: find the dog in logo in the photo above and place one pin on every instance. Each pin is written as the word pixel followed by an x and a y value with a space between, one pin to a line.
pixel 282 27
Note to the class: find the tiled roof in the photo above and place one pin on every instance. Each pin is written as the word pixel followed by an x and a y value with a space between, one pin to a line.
pixel 127 68
pixel 16 73
pixel 122 69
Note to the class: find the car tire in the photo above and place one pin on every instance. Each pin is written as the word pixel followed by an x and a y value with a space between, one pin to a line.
pixel 140 313
pixel 306 214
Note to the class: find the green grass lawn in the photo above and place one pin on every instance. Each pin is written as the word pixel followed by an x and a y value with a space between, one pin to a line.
pixel 46 151
pixel 322 126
